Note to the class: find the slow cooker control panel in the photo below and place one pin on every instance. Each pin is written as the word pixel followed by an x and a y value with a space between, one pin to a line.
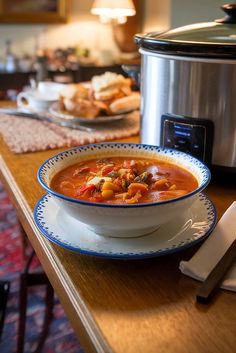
pixel 190 135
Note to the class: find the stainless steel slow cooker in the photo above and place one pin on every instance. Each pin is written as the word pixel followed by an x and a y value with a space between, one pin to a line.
pixel 188 89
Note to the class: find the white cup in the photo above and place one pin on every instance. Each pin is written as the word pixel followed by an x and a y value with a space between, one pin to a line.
pixel 50 89
pixel 35 100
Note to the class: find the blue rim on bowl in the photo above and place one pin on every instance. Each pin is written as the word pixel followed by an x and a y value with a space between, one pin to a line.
pixel 205 172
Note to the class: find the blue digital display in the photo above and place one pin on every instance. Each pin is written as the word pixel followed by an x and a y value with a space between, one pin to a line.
pixel 182 133
pixel 187 134
pixel 183 130
pixel 183 127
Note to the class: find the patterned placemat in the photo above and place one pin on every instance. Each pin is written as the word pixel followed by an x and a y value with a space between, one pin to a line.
pixel 27 135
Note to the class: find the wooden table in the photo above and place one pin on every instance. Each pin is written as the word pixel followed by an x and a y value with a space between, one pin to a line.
pixel 139 306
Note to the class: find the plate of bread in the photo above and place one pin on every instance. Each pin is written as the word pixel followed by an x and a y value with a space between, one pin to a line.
pixel 106 98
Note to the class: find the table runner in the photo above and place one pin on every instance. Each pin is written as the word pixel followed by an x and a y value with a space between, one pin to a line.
pixel 27 135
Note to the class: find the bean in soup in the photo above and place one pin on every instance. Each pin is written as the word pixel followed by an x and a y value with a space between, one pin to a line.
pixel 121 180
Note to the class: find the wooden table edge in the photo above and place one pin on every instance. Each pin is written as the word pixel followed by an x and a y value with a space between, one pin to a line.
pixel 92 339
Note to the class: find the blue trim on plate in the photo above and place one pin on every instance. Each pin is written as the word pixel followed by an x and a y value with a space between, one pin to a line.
pixel 142 146
pixel 211 213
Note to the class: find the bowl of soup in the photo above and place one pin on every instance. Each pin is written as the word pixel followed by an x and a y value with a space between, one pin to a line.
pixel 123 189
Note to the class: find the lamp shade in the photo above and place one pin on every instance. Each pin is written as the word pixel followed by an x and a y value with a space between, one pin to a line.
pixel 113 8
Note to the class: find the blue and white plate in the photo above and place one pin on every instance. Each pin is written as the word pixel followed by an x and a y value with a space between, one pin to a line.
pixel 182 232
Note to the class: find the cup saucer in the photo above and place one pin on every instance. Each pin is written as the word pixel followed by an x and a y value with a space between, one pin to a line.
pixel 35 100
pixel 185 231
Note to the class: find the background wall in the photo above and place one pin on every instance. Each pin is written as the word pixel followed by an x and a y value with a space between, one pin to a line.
pixel 160 15
pixel 191 11
pixel 156 15
pixel 82 29
pixel 85 29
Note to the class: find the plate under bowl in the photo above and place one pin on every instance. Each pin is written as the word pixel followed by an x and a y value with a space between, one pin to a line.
pixel 182 232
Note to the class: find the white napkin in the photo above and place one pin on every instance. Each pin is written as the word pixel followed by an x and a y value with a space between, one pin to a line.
pixel 205 259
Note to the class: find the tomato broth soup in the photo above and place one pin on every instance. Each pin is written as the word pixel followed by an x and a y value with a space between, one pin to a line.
pixel 124 180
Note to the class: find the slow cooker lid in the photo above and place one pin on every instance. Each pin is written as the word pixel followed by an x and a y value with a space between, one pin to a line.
pixel 208 39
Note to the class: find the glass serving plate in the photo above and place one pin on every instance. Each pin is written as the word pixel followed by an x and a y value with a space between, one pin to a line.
pixel 57 113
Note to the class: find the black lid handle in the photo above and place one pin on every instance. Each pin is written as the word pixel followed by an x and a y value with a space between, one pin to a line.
pixel 230 17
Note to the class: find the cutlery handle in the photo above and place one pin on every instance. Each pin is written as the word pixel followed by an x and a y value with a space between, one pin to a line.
pixel 215 277
pixel 73 126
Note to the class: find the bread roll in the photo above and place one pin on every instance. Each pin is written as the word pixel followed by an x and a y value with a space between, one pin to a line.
pixel 109 81
pixel 74 90
pixel 82 108
pixel 106 95
pixel 125 104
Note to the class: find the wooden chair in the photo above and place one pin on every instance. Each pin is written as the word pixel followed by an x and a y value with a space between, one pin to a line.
pixel 4 293
pixel 28 279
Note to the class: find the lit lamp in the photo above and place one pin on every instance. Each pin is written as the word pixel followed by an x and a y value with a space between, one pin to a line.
pixel 117 10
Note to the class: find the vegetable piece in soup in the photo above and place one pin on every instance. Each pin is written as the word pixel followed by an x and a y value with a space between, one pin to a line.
pixel 121 180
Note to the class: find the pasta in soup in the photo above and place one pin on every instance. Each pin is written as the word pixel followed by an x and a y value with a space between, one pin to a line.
pixel 122 180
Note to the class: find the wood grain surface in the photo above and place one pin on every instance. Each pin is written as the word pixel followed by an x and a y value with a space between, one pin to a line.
pixel 138 306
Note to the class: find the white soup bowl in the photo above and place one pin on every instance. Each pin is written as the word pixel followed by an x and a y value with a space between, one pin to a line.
pixel 123 220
